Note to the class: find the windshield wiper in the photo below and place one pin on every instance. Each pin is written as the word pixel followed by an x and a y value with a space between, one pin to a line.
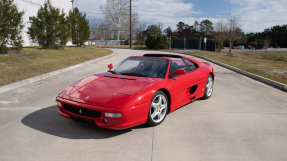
pixel 133 74
pixel 113 72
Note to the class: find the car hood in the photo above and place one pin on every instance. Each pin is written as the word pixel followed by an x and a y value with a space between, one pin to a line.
pixel 107 90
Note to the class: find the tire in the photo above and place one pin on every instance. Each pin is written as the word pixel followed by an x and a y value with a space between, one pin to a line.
pixel 208 87
pixel 158 110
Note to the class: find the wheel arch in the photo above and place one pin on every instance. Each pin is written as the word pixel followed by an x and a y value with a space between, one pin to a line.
pixel 169 97
pixel 212 75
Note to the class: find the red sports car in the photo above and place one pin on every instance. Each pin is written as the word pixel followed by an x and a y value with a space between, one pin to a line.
pixel 140 89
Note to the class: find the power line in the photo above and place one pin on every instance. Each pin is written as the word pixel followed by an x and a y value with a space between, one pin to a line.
pixel 31 2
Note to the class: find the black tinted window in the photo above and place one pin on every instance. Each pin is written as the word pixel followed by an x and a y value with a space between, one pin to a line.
pixel 190 64
pixel 143 67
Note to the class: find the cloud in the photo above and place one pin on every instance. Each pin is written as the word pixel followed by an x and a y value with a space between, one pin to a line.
pixel 257 15
pixel 169 12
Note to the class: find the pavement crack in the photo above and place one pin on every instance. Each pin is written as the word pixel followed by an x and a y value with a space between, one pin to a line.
pixel 152 143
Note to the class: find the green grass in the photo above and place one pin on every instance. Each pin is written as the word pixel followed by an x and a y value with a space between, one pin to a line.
pixel 37 61
pixel 271 65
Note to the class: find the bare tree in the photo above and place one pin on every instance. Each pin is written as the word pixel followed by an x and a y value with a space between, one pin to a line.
pixel 94 27
pixel 160 25
pixel 234 30
pixel 100 29
pixel 267 42
pixel 117 14
pixel 220 33
pixel 139 30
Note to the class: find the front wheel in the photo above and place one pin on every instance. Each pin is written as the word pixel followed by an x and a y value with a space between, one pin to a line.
pixel 158 109
pixel 208 87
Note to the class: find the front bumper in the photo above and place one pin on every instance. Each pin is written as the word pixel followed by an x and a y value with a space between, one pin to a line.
pixel 132 116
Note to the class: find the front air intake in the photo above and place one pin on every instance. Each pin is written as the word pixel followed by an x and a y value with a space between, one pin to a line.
pixel 83 111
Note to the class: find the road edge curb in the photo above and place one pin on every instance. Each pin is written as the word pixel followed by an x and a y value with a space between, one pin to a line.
pixel 28 81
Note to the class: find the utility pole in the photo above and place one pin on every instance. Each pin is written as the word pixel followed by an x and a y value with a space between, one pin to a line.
pixel 72 4
pixel 130 23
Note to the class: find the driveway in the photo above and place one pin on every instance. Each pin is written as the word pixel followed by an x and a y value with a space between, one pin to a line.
pixel 243 120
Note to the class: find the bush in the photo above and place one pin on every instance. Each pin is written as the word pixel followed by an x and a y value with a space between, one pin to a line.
pixel 139 43
pixel 127 42
pixel 49 27
pixel 162 42
pixel 11 26
pixel 157 42
pixel 80 28
pixel 151 41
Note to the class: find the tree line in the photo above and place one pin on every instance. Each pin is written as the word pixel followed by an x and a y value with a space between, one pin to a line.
pixel 205 26
pixel 50 28
pixel 277 36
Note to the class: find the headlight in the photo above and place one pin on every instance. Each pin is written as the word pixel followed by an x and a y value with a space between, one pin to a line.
pixel 113 115
pixel 59 104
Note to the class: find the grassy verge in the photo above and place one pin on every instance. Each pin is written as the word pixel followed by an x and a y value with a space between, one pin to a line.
pixel 38 61
pixel 272 65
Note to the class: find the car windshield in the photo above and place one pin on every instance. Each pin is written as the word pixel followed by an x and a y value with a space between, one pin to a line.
pixel 142 67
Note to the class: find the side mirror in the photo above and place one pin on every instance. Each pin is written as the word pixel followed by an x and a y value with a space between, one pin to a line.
pixel 178 72
pixel 110 66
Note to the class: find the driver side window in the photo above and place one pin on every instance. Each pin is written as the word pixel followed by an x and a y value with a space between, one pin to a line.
pixel 177 63
pixel 190 64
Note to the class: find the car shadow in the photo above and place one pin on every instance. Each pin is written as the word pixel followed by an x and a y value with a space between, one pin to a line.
pixel 199 99
pixel 47 120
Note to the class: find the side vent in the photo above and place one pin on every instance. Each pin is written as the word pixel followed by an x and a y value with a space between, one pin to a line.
pixel 193 89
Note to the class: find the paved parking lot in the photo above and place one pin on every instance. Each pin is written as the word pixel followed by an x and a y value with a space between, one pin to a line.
pixel 243 120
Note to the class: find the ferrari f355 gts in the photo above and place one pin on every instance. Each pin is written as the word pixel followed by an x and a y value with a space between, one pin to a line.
pixel 138 90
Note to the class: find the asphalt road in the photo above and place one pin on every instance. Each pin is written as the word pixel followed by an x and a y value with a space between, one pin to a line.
pixel 244 120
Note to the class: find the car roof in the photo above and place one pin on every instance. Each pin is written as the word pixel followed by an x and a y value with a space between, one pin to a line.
pixel 169 56
pixel 162 55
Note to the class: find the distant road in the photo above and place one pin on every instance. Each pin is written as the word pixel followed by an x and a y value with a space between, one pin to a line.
pixel 269 49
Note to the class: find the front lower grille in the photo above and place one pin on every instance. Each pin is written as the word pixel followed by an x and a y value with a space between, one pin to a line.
pixel 83 111
pixel 83 121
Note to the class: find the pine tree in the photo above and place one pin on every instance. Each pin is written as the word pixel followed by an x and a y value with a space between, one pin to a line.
pixel 11 25
pixel 80 28
pixel 50 27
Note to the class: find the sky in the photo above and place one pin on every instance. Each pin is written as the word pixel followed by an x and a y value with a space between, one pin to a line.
pixel 255 15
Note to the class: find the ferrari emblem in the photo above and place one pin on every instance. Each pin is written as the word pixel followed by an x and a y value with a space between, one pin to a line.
pixel 158 108
pixel 87 97
pixel 80 111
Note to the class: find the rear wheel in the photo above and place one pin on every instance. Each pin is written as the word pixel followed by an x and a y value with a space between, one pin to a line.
pixel 158 109
pixel 208 87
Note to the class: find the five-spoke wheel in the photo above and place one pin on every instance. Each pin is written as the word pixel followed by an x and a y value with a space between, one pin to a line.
pixel 208 87
pixel 158 109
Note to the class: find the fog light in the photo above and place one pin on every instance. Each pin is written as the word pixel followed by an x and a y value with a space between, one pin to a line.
pixel 63 111
pixel 59 104
pixel 105 121
pixel 113 115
